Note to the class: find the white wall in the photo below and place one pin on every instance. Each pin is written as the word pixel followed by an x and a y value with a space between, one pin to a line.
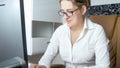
pixel 46 10
pixel 101 2
pixel 28 24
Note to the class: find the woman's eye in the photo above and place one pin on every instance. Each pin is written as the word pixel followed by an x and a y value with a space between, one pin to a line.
pixel 70 11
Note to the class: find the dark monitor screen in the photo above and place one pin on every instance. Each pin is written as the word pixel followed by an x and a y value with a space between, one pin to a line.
pixel 12 30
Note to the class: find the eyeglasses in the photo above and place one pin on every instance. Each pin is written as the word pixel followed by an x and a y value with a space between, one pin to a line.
pixel 68 13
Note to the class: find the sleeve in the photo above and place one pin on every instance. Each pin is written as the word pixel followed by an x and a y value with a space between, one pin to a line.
pixel 51 52
pixel 101 51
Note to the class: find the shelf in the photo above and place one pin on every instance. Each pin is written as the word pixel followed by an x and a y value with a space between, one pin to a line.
pixel 42 29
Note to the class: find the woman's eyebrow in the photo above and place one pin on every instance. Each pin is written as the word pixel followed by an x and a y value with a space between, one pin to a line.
pixel 70 9
pixel 67 9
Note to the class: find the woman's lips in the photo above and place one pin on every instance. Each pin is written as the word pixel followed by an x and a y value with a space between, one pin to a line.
pixel 68 21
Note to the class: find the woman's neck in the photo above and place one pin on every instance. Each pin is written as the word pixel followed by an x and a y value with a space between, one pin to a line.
pixel 77 27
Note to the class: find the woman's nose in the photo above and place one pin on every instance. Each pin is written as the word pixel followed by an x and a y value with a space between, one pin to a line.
pixel 65 16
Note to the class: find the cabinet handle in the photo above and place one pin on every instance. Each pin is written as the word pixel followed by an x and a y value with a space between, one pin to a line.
pixel 2 4
pixel 48 42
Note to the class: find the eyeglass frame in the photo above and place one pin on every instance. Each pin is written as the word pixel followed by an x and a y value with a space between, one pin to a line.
pixel 68 13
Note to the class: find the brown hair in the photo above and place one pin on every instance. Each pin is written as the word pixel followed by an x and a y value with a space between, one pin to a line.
pixel 78 3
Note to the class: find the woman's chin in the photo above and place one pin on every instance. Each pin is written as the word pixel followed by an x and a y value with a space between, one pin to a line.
pixel 69 25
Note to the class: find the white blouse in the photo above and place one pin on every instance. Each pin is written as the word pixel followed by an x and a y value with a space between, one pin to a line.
pixel 89 51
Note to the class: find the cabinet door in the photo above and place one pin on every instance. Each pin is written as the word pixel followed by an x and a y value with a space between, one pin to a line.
pixel 46 10
pixel 39 45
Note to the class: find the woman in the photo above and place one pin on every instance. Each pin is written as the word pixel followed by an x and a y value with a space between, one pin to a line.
pixel 80 42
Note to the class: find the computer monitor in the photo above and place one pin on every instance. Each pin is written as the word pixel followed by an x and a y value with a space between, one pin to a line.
pixel 12 31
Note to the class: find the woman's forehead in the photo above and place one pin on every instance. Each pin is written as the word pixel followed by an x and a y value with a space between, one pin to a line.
pixel 65 4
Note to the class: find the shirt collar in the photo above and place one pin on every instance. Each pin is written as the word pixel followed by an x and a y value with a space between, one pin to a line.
pixel 88 24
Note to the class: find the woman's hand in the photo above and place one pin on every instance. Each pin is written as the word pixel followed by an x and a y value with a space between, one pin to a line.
pixel 37 66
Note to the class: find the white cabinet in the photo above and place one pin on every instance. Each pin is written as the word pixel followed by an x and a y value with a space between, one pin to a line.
pixel 41 34
pixel 39 18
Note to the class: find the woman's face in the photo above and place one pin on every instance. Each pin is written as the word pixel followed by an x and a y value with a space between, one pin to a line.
pixel 76 18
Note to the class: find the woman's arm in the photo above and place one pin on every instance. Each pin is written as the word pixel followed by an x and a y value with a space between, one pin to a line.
pixel 36 66
pixel 101 51
pixel 52 50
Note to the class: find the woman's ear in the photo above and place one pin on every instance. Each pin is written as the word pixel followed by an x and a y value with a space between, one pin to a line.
pixel 83 9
